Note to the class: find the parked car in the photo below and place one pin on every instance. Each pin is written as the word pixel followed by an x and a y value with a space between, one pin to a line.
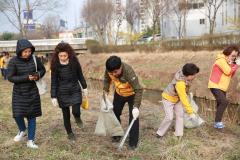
pixel 145 39
pixel 157 37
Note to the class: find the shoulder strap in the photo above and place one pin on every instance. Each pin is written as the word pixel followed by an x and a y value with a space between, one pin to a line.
pixel 35 61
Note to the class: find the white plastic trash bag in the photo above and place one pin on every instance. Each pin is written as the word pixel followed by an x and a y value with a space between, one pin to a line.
pixel 192 122
pixel 107 123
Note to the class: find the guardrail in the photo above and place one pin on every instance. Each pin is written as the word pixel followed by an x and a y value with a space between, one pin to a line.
pixel 44 42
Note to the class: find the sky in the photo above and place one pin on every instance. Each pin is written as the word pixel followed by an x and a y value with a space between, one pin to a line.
pixel 71 13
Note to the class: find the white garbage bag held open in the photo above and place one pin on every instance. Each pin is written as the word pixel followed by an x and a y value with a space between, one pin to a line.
pixel 192 122
pixel 107 123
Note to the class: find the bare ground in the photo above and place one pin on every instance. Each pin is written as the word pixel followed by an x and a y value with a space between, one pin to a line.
pixel 204 143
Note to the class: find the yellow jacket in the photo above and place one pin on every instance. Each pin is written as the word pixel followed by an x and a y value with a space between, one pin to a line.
pixel 221 73
pixel 1 62
pixel 127 84
pixel 123 89
pixel 177 90
pixel 182 95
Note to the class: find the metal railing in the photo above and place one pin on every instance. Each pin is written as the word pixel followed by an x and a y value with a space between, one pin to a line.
pixel 44 42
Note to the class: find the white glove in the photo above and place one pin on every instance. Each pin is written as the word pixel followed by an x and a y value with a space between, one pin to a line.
pixel 135 112
pixel 106 106
pixel 238 61
pixel 54 102
pixel 109 104
pixel 85 92
pixel 192 116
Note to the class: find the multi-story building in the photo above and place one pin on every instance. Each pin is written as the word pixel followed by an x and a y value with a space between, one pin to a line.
pixel 197 22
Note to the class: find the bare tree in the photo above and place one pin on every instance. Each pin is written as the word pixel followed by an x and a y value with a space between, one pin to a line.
pixel 51 26
pixel 13 9
pixel 212 9
pixel 181 10
pixel 119 17
pixel 235 21
pixel 156 8
pixel 132 14
pixel 98 14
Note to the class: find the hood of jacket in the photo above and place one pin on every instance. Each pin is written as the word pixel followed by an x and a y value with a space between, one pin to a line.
pixel 23 44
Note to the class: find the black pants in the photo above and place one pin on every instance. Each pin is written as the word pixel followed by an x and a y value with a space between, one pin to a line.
pixel 66 116
pixel 221 103
pixel 118 104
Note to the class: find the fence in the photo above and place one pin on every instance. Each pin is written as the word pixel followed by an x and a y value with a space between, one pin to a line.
pixel 201 43
pixel 44 42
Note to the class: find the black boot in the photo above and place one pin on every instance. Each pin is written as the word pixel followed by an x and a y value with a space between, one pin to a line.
pixel 71 137
pixel 79 122
pixel 116 139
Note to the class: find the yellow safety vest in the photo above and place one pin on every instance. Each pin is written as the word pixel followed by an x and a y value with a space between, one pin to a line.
pixel 123 89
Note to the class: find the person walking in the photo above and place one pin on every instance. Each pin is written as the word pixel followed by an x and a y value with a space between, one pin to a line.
pixel 66 73
pixel 25 96
pixel 5 61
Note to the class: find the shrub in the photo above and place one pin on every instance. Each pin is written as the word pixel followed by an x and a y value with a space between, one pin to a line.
pixel 7 36
pixel 206 42
pixel 93 46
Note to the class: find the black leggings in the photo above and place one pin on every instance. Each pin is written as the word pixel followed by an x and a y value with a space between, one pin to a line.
pixel 221 103
pixel 118 104
pixel 66 116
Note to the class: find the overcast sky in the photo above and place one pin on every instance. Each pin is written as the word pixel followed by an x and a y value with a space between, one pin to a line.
pixel 71 13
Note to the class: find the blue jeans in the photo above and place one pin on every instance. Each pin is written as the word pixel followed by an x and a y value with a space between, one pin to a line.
pixel 2 72
pixel 5 73
pixel 31 126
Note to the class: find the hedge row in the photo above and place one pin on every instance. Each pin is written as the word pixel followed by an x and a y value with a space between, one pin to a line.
pixel 196 44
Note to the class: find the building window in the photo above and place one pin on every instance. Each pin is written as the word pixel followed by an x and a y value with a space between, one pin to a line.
pixel 202 21
pixel 200 5
pixel 195 6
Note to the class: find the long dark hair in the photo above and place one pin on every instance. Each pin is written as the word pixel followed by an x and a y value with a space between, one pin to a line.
pixel 64 47
pixel 229 49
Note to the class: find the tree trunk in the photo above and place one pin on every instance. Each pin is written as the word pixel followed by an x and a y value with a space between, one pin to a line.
pixel 184 24
pixel 109 34
pixel 21 28
pixel 116 39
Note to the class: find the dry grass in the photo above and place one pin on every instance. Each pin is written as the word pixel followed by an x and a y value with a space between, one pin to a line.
pixel 156 70
pixel 197 144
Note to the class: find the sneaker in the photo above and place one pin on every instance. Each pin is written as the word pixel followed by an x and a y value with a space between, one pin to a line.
pixel 79 122
pixel 71 137
pixel 219 125
pixel 179 138
pixel 116 139
pixel 31 144
pixel 19 136
pixel 158 136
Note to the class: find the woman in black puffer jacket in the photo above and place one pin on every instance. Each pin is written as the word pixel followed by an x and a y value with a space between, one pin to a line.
pixel 25 99
pixel 66 73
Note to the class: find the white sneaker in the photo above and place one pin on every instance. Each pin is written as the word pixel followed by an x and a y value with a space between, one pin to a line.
pixel 19 136
pixel 31 144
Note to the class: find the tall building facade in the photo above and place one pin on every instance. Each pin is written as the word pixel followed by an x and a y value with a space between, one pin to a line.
pixel 197 22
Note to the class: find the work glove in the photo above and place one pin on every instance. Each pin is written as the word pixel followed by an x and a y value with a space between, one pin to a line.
pixel 105 93
pixel 106 105
pixel 54 102
pixel 135 112
pixel 238 61
pixel 85 92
